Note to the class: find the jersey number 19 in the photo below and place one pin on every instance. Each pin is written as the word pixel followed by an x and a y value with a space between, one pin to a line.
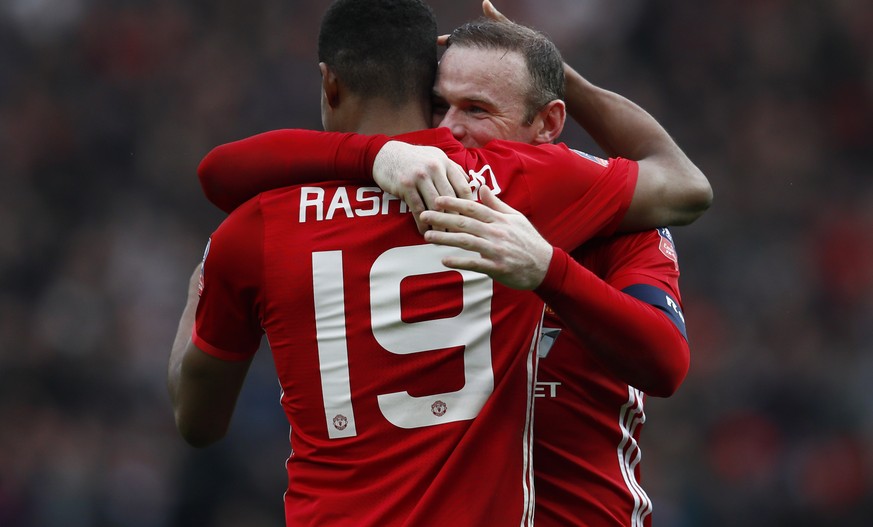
pixel 470 328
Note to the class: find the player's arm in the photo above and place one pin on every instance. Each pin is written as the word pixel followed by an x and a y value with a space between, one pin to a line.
pixel 670 189
pixel 232 173
pixel 633 324
pixel 235 172
pixel 220 329
pixel 203 389
pixel 567 210
pixel 633 337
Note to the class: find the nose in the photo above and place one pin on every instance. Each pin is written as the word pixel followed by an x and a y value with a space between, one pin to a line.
pixel 451 121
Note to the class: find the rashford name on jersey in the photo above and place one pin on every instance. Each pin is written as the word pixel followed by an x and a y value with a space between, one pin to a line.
pixel 363 202
pixel 370 201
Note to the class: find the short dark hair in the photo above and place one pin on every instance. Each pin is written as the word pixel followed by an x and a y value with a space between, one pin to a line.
pixel 381 48
pixel 544 63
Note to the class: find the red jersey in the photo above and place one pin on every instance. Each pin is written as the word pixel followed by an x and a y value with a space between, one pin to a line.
pixel 408 386
pixel 588 420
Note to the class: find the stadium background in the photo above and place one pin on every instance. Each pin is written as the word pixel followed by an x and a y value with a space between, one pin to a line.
pixel 106 107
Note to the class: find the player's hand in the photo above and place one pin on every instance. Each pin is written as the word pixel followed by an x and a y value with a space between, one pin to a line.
pixel 511 251
pixel 418 175
pixel 491 12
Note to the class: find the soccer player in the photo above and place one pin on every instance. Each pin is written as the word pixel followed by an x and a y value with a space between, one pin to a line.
pixel 408 386
pixel 628 338
pixel 623 344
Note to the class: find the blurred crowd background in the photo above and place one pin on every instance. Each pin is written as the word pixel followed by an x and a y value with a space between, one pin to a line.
pixel 107 106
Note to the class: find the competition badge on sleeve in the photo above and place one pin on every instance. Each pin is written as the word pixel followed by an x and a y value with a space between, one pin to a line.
pixel 667 247
pixel 600 161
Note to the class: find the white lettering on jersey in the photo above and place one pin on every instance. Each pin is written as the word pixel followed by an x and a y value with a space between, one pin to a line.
pixel 674 307
pixel 546 389
pixel 374 200
pixel 470 328
pixel 311 197
pixel 386 203
pixel 478 180
pixel 368 201
pixel 340 200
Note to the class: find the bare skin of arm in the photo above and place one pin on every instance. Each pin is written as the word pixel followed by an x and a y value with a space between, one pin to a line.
pixel 203 389
pixel 638 343
pixel 670 189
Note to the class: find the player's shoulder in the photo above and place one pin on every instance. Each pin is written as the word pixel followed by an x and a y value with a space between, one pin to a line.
pixel 243 220
pixel 580 160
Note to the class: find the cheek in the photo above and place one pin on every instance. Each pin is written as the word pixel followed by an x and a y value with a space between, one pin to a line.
pixel 523 134
pixel 474 133
pixel 484 130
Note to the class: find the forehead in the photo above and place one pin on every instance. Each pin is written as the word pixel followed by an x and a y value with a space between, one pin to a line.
pixel 482 73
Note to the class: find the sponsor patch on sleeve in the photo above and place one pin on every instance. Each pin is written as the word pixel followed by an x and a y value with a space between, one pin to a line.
pixel 589 157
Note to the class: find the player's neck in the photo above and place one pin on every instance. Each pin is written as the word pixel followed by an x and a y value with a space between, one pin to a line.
pixel 382 118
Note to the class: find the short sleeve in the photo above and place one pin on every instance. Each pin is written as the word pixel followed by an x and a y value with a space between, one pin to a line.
pixel 576 197
pixel 228 321
pixel 647 257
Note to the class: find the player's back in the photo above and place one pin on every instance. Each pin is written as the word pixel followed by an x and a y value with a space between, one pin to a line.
pixel 407 385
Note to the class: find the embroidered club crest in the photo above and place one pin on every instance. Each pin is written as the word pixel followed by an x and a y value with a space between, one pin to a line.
pixel 439 408
pixel 340 422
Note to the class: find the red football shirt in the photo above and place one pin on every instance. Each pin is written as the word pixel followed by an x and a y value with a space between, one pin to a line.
pixel 587 420
pixel 408 386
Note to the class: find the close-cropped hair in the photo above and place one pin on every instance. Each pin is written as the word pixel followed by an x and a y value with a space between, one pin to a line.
pixel 381 48
pixel 544 62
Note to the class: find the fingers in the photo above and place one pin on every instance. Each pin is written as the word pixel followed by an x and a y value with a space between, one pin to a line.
pixel 427 189
pixel 454 223
pixel 479 265
pixel 465 208
pixel 442 40
pixel 491 12
pixel 420 225
pixel 462 240
pixel 488 198
pixel 416 207
pixel 450 181
pixel 460 181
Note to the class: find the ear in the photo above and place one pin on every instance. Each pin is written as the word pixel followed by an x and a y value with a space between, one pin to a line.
pixel 550 122
pixel 329 86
